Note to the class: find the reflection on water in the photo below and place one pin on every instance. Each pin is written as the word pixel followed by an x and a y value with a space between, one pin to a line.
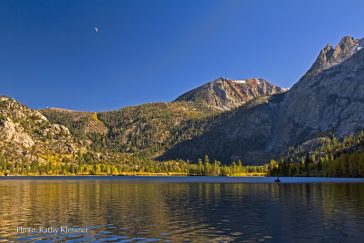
pixel 139 211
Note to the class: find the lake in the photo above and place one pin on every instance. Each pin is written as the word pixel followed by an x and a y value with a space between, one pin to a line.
pixel 181 209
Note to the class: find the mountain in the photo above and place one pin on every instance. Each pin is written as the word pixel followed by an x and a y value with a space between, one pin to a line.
pixel 26 134
pixel 143 128
pixel 331 100
pixel 223 94
pixel 330 56
pixel 151 128
pixel 251 119
pixel 328 99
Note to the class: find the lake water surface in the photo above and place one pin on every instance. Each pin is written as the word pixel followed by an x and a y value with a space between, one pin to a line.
pixel 182 209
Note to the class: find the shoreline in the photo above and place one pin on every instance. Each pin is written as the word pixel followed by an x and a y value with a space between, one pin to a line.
pixel 247 180
pixel 149 177
pixel 246 175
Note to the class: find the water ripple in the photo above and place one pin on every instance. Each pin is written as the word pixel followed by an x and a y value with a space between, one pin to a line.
pixel 119 211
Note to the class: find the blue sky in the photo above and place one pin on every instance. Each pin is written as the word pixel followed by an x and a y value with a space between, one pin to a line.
pixel 154 50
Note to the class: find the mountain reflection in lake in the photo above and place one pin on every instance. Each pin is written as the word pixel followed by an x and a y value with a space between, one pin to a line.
pixel 140 210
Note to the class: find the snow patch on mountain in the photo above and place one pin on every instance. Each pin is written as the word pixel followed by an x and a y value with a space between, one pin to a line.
pixel 239 81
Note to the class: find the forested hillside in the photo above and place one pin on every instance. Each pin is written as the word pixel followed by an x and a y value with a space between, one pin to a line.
pixel 145 128
pixel 330 156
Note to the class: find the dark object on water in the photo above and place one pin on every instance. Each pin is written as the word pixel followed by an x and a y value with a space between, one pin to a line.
pixel 277 180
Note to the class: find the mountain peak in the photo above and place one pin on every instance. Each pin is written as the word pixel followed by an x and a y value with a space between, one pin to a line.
pixel 226 94
pixel 330 56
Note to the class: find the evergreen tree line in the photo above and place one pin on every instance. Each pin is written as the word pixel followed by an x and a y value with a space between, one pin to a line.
pixel 345 165
pixel 333 158
pixel 90 164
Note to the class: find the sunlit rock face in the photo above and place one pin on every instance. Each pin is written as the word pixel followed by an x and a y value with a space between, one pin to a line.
pixel 330 56
pixel 27 134
pixel 223 94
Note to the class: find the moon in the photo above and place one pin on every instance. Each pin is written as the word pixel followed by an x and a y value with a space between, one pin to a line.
pixel 96 29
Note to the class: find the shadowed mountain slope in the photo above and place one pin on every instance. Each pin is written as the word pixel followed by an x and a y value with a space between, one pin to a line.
pixel 325 101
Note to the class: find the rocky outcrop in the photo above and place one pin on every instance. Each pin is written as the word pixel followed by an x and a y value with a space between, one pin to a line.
pixel 330 56
pixel 11 132
pixel 223 94
pixel 26 133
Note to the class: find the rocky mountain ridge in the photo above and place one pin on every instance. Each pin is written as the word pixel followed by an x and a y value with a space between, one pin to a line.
pixel 223 94
pixel 330 56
